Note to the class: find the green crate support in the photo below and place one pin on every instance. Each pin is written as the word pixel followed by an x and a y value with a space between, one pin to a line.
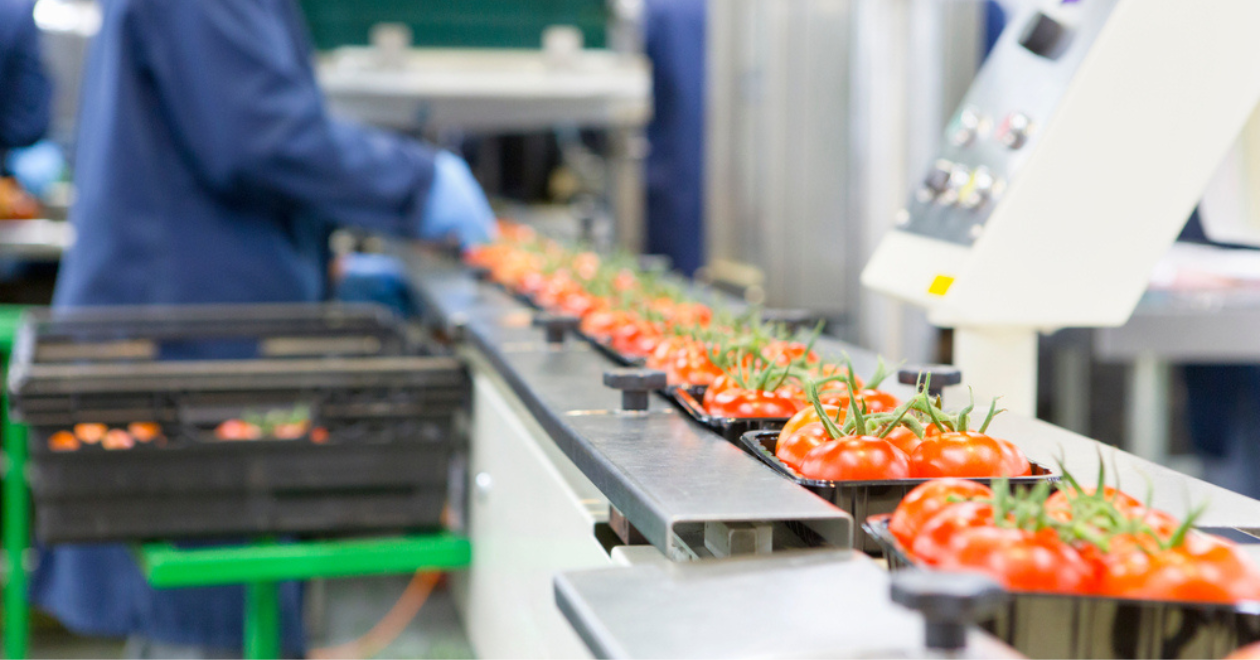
pixel 17 503
pixel 261 566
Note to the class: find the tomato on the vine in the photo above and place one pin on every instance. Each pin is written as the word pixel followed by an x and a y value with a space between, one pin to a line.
pixel 739 402
pixel 809 415
pixel 904 439
pixel 1021 560
pixel 932 543
pixel 784 353
pixel 957 454
pixel 1202 569
pixel 636 339
pixel 792 447
pixel 855 458
pixel 685 361
pixel 602 324
pixel 1014 462
pixel 928 499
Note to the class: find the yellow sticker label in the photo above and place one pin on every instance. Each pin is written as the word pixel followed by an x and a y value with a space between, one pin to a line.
pixel 940 285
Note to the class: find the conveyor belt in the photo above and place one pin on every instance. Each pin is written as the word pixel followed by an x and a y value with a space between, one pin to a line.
pixel 667 474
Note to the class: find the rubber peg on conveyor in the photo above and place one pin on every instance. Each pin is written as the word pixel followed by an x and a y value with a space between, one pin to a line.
pixel 635 385
pixel 479 273
pixel 793 319
pixel 943 375
pixel 556 326
pixel 949 603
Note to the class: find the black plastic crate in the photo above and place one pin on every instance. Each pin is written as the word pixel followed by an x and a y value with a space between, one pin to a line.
pixel 356 423
pixel 1067 626
pixel 862 499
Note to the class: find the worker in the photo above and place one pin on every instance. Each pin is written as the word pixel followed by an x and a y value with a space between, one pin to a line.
pixel 209 171
pixel 25 92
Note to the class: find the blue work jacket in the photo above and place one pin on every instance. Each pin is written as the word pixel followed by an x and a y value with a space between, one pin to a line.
pixel 208 171
pixel 25 93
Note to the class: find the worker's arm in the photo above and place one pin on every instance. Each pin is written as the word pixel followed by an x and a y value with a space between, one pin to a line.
pixel 25 93
pixel 244 107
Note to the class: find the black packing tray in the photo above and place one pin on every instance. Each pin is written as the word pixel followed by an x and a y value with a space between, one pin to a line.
pixel 731 428
pixel 861 499
pixel 1067 626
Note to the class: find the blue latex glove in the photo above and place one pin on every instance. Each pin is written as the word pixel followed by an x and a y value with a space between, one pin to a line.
pixel 37 167
pixel 456 204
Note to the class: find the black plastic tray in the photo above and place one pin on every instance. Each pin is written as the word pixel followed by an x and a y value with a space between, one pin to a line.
pixel 386 414
pixel 1066 626
pixel 861 499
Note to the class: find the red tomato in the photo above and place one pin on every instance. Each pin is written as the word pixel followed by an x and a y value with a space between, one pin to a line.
pixel 855 458
pixel 1014 462
pixel 90 434
pixel 685 361
pixel 878 401
pixel 1058 506
pixel 935 535
pixel 118 439
pixel 952 454
pixel 785 352
pixel 579 304
pixel 636 339
pixel 738 402
pixel 691 314
pixel 792 448
pixel 809 415
pixel 904 439
pixel 1203 569
pixel 1021 560
pixel 1125 566
pixel 928 499
pixel 144 431
pixel 602 324
pixel 63 441
pixel 531 283
pixel 720 384
pixel 624 280
pixel 586 265
pixel 236 429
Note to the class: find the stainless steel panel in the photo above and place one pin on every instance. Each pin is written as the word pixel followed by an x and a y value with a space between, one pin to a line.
pixel 798 605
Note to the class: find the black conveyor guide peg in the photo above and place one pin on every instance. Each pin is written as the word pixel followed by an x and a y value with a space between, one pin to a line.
pixel 949 602
pixel 635 385
pixel 943 375
pixel 556 326
pixel 793 319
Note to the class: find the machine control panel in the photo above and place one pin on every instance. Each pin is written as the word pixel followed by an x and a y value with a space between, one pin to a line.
pixel 996 127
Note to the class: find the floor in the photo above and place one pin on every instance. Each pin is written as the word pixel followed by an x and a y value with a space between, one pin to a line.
pixel 339 612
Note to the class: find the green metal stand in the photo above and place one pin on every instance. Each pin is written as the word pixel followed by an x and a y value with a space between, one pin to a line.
pixel 17 503
pixel 260 566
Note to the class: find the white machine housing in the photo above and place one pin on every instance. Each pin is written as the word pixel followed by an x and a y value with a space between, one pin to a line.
pixel 1082 146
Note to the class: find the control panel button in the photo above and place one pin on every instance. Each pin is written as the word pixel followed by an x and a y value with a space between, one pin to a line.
pixel 936 181
pixel 965 129
pixel 978 190
pixel 1015 130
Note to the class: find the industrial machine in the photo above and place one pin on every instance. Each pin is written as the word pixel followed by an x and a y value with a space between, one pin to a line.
pixel 1067 171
